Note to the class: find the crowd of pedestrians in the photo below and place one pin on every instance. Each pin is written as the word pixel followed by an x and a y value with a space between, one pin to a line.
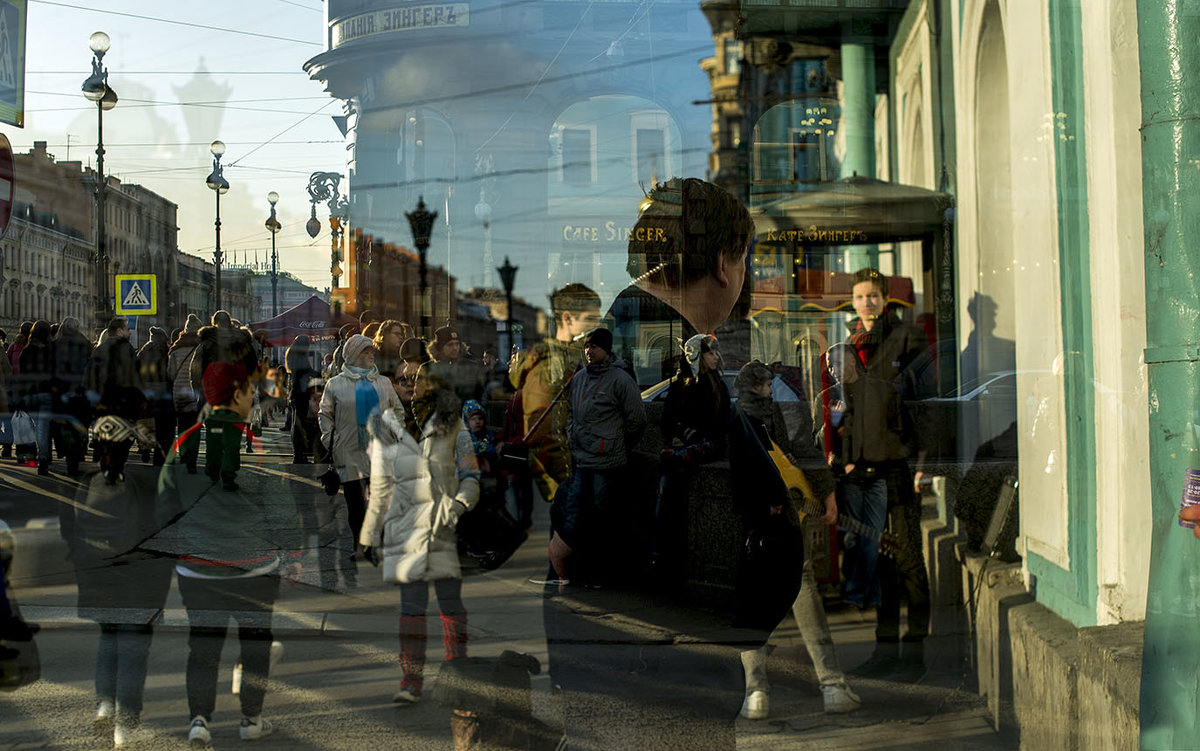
pixel 402 424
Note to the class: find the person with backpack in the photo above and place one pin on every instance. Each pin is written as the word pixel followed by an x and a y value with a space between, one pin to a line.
pixel 121 401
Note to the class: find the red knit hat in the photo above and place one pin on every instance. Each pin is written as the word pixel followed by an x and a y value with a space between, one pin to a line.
pixel 221 381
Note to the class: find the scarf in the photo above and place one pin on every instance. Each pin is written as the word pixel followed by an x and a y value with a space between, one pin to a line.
pixel 422 410
pixel 756 405
pixel 409 419
pixel 366 402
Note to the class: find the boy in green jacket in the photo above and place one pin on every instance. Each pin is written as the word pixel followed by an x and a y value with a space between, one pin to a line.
pixel 233 544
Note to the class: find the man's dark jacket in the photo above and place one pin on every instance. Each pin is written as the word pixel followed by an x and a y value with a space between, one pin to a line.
pixel 879 425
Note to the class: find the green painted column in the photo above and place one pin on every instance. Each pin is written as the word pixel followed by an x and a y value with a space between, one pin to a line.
pixel 858 107
pixel 858 125
pixel 1169 45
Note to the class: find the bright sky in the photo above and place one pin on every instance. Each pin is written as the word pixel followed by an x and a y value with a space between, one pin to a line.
pixel 275 122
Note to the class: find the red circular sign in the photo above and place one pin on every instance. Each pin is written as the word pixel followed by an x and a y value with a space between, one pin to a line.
pixel 7 183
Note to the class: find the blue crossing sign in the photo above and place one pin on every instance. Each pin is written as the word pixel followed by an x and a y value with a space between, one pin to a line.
pixel 137 294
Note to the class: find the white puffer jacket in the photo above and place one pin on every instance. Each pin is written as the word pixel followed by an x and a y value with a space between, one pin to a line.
pixel 418 492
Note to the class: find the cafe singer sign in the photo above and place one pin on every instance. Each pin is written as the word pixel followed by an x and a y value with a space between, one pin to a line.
pixel 408 18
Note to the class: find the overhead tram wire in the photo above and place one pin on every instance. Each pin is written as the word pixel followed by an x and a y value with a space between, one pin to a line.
pixel 173 73
pixel 234 162
pixel 180 23
pixel 211 101
pixel 302 5
pixel 198 143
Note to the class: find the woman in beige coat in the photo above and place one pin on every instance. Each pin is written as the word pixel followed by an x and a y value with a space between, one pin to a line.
pixel 351 399
pixel 423 478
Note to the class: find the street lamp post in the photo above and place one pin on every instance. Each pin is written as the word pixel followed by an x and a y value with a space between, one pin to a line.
pixel 217 182
pixel 273 226
pixel 421 221
pixel 96 89
pixel 323 186
pixel 508 277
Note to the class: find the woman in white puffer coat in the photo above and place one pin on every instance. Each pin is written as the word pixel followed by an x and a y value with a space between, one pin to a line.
pixel 423 478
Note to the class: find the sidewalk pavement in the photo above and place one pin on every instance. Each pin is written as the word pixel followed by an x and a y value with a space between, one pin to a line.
pixel 333 688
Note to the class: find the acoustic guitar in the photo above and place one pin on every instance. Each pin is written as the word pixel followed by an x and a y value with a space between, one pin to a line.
pixel 806 504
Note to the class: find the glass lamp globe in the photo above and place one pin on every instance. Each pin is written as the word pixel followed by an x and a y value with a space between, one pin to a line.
pixel 99 42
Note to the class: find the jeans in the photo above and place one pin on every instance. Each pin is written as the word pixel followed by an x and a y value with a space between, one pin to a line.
pixel 587 514
pixel 43 409
pixel 121 658
pixel 866 501
pixel 210 604
pixel 809 612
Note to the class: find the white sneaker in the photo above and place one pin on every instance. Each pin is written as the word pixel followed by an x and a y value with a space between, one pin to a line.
pixel 125 736
pixel 198 735
pixel 406 696
pixel 254 728
pixel 756 706
pixel 839 699
pixel 102 725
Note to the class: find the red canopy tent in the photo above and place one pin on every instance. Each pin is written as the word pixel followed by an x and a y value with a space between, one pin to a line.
pixel 313 317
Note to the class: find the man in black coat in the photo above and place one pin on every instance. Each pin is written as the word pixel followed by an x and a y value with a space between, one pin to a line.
pixel 880 438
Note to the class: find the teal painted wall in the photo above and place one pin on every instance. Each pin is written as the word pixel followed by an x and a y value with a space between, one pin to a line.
pixel 1073 594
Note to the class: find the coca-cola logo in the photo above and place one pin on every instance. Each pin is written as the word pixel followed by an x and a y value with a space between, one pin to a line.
pixel 312 324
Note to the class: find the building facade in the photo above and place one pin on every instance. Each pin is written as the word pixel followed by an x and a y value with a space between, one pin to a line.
pixel 45 273
pixel 551 179
pixel 59 196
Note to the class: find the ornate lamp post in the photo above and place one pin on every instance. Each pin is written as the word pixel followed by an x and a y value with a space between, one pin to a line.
pixel 508 277
pixel 273 227
pixel 323 186
pixel 217 182
pixel 96 89
pixel 483 212
pixel 421 221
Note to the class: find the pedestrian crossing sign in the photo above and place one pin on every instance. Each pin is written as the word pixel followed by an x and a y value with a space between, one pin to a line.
pixel 137 294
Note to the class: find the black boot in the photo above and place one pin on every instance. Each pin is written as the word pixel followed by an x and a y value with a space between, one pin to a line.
pixel 911 668
pixel 883 661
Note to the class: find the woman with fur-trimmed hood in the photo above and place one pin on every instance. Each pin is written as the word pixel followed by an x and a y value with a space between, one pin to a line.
pixel 424 477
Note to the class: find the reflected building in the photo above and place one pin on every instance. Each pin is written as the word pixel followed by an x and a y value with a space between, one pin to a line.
pixel 554 116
